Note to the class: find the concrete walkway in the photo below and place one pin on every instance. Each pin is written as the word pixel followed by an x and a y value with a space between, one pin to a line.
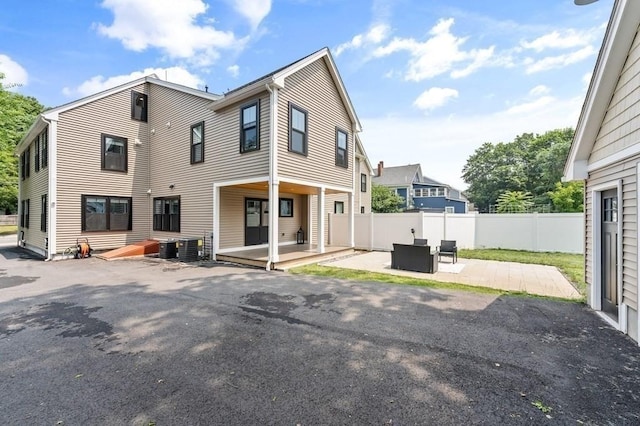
pixel 534 279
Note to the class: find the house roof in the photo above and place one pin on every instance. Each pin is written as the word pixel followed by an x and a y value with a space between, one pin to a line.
pixel 619 35
pixel 277 79
pixel 52 114
pixel 399 175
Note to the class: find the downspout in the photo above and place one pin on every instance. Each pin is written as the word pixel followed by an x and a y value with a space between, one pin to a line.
pixel 273 164
pixel 52 185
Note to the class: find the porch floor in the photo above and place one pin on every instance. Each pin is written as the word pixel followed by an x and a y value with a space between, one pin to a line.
pixel 290 255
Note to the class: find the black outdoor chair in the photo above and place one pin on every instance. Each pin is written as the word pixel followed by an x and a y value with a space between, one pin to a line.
pixel 420 242
pixel 448 248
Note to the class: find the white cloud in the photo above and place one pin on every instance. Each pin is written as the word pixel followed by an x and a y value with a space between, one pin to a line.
pixel 99 83
pixel 442 145
pixel 14 75
pixel 169 26
pixel 559 61
pixel 234 70
pixel 434 98
pixel 531 106
pixel 376 35
pixel 554 40
pixel 254 10
pixel 439 54
pixel 540 89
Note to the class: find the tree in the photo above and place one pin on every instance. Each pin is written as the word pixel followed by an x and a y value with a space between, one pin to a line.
pixel 384 200
pixel 17 112
pixel 515 202
pixel 568 197
pixel 530 163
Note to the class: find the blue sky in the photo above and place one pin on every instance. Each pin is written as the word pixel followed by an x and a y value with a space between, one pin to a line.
pixel 431 80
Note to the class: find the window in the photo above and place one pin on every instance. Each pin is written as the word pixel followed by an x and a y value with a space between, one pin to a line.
pixel 138 106
pixel 104 213
pixel 341 149
pixel 23 173
pixel 338 207
pixel 44 144
pixel 166 214
pixel 24 214
pixel 36 154
pixel 197 143
pixel 362 209
pixel 363 182
pixel 114 153
pixel 26 163
pixel 286 207
pixel 297 130
pixel 250 127
pixel 43 213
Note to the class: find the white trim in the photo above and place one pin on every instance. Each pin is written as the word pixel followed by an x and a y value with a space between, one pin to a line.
pixel 638 248
pixel 316 184
pixel 596 255
pixel 52 195
pixel 321 216
pixel 215 246
pixel 257 246
pixel 615 158
pixel 242 181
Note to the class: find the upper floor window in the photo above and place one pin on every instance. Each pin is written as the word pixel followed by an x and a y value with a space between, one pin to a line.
pixel 197 143
pixel 36 154
pixel 114 153
pixel 363 182
pixel 341 148
pixel 298 135
pixel 138 106
pixel 250 127
pixel 338 207
pixel 44 145
pixel 23 172
pixel 104 213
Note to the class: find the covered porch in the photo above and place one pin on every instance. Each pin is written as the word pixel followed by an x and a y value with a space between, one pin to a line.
pixel 290 255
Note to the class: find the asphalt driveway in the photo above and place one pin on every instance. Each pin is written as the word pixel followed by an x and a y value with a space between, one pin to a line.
pixel 145 342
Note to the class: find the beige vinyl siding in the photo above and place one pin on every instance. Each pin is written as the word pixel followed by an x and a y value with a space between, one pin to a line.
pixel 313 90
pixel 625 171
pixel 621 125
pixel 232 216
pixel 32 189
pixel 230 164
pixel 79 168
pixel 363 199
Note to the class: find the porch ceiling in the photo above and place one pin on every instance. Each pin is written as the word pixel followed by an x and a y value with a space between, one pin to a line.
pixel 286 187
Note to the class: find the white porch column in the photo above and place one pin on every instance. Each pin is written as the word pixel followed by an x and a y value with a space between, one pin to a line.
pixel 52 189
pixel 310 219
pixel 216 222
pixel 352 214
pixel 321 219
pixel 274 195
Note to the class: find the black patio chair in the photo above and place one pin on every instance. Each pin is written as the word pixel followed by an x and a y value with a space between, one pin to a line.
pixel 448 248
pixel 420 242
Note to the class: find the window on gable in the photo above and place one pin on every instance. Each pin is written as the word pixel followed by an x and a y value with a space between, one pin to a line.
pixel 166 214
pixel 341 149
pixel 298 134
pixel 250 127
pixel 27 161
pixel 138 106
pixel 44 143
pixel 43 213
pixel 36 154
pixel 105 213
pixel 114 153
pixel 338 207
pixel 197 143
pixel 363 182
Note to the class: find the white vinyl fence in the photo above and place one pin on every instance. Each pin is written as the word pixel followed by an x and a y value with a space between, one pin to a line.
pixel 553 232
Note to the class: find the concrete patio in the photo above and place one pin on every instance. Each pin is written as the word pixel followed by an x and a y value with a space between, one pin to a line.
pixel 534 279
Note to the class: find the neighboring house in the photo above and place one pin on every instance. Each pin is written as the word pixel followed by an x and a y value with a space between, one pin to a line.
pixel 606 154
pixel 152 159
pixel 420 192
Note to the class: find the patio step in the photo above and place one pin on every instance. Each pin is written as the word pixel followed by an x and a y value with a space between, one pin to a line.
pixel 320 257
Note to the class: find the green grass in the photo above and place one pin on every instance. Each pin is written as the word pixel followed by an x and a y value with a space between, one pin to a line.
pixel 571 265
pixel 8 229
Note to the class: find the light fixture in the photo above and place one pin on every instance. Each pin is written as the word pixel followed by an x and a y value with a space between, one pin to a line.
pixel 171 186
pixel 583 2
pixel 168 124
